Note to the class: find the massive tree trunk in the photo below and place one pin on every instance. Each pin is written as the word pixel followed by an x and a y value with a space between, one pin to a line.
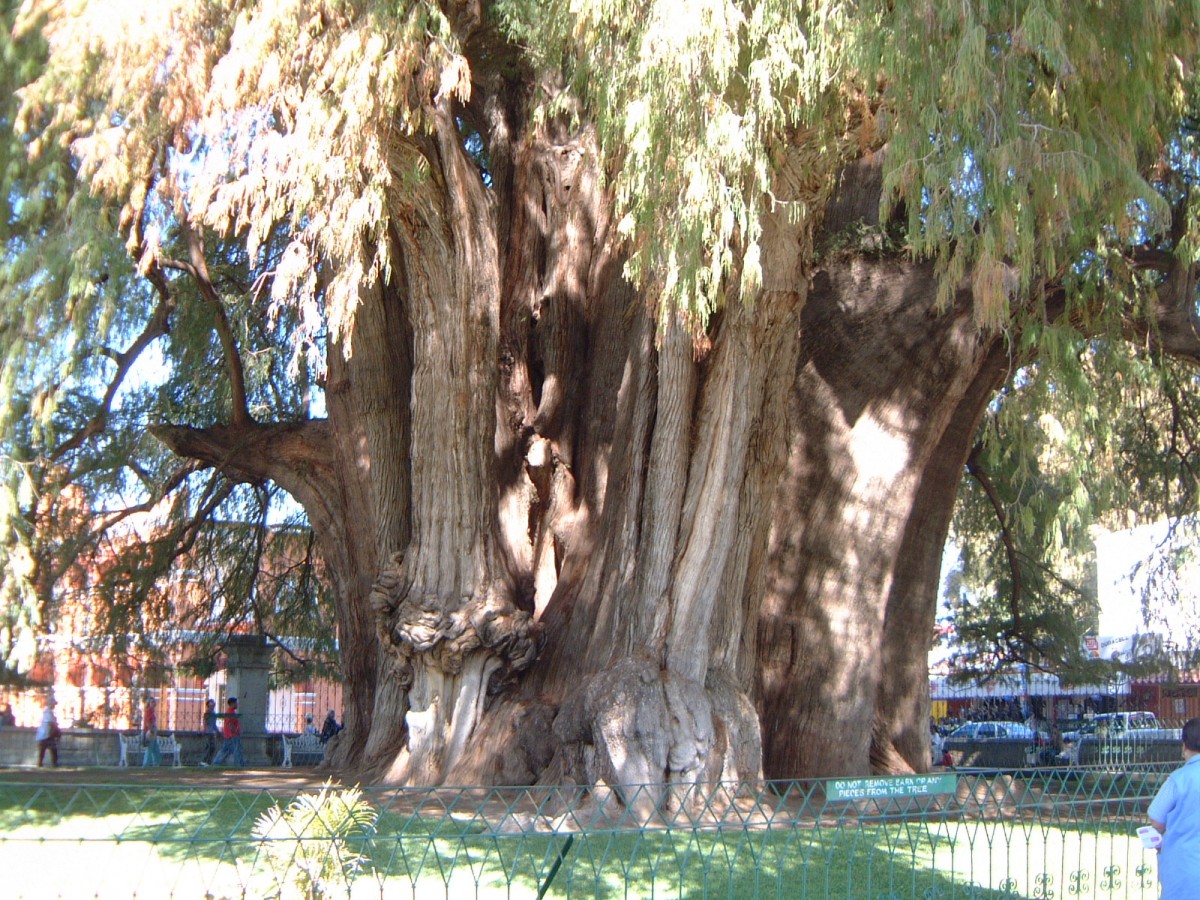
pixel 447 606
pixel 692 532
pixel 849 604
pixel 883 407
pixel 900 741
pixel 573 542
pixel 658 499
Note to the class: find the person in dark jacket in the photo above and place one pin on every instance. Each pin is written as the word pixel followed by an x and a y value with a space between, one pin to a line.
pixel 329 727
pixel 211 730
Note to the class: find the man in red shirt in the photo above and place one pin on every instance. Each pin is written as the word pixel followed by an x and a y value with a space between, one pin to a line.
pixel 231 731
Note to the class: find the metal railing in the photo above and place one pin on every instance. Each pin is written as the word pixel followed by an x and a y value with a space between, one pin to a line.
pixel 1032 833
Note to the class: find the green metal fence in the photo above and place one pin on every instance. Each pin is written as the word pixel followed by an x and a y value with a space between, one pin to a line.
pixel 1047 833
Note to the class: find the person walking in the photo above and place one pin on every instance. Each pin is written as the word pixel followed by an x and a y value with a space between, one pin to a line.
pixel 1175 814
pixel 211 730
pixel 47 736
pixel 231 731
pixel 152 755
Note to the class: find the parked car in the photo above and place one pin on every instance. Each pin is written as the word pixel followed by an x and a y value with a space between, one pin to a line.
pixel 993 731
pixel 998 745
pixel 1119 723
pixel 1117 734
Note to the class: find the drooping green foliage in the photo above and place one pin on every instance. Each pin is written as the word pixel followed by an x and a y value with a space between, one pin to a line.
pixel 294 115
pixel 82 476
pixel 250 120
pixel 1100 433
pixel 1003 122
pixel 1029 135
pixel 695 104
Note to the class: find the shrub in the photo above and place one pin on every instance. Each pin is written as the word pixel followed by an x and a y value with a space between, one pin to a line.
pixel 310 848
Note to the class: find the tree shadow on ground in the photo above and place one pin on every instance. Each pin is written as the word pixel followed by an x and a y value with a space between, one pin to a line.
pixel 452 851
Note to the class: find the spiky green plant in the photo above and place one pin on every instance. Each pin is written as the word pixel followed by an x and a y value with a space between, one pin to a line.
pixel 309 846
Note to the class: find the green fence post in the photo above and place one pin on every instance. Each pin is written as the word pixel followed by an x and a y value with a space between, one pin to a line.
pixel 562 854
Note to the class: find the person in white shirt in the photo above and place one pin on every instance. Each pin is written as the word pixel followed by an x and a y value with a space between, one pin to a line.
pixel 47 736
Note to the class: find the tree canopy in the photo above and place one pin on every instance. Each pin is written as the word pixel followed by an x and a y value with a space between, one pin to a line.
pixel 1003 122
pixel 651 339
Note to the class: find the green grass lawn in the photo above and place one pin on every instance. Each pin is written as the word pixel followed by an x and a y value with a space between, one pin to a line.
pixel 158 841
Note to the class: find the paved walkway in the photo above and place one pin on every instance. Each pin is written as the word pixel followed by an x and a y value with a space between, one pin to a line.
pixel 183 776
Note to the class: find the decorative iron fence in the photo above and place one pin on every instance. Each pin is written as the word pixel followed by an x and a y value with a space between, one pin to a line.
pixel 1045 833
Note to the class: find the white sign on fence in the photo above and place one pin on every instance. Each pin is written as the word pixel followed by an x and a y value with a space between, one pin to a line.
pixel 891 786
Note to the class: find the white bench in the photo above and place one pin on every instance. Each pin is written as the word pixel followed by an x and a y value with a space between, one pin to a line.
pixel 301 745
pixel 131 748
pixel 168 745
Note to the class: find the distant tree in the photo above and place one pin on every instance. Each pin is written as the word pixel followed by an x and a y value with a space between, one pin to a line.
pixel 1101 433
pixel 625 358
pixel 1056 463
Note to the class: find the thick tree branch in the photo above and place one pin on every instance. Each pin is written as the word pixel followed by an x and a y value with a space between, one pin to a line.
pixel 1176 326
pixel 1152 259
pixel 253 453
pixel 299 457
pixel 465 16
pixel 858 196
pixel 197 270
